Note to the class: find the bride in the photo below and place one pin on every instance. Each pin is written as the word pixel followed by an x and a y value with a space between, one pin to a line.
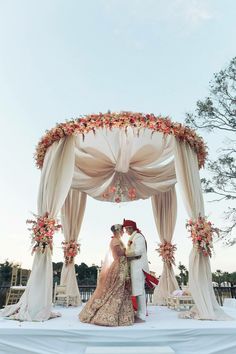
pixel 110 304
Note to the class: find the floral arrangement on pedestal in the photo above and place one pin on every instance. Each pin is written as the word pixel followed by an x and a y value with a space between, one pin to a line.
pixel 202 233
pixel 122 120
pixel 166 251
pixel 70 249
pixel 42 231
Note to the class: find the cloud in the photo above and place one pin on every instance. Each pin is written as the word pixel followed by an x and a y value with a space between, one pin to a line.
pixel 191 13
pixel 138 23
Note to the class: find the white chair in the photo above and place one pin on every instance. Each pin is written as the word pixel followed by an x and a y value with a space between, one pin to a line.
pixel 180 303
pixel 14 275
pixel 24 276
pixel 60 296
pixel 15 292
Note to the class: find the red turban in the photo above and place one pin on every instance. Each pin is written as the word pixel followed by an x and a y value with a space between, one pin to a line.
pixel 127 223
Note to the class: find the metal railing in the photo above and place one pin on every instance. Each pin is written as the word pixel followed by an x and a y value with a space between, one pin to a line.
pixel 220 292
pixel 87 290
pixel 223 292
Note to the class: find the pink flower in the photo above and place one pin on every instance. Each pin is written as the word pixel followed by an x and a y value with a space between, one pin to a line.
pixel 132 193
pixel 166 251
pixel 123 119
pixel 112 189
pixel 42 231
pixel 201 232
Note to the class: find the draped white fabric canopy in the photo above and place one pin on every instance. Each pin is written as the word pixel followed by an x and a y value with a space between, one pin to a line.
pixel 118 165
pixel 123 159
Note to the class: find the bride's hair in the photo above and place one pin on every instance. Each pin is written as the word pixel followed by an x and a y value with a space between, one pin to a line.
pixel 116 227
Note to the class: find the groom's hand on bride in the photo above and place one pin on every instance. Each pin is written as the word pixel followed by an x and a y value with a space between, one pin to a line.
pixel 133 257
pixel 128 284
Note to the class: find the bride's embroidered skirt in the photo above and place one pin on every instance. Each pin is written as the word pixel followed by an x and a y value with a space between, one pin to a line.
pixel 111 305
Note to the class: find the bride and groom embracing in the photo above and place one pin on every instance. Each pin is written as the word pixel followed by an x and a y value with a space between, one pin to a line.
pixel 122 276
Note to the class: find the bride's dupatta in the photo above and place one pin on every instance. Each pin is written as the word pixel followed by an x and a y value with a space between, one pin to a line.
pixel 103 275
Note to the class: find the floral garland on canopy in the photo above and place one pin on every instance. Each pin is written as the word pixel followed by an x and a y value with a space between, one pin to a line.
pixel 110 120
pixel 166 250
pixel 202 233
pixel 70 249
pixel 42 231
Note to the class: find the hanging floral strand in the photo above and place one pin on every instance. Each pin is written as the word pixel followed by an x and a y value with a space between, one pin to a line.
pixel 202 233
pixel 42 231
pixel 119 192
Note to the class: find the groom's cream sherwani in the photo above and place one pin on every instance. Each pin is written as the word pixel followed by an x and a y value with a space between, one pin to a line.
pixel 137 247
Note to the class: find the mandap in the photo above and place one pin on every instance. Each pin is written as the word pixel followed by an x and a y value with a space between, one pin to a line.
pixel 118 157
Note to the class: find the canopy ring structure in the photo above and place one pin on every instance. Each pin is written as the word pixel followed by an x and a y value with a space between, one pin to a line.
pixel 118 157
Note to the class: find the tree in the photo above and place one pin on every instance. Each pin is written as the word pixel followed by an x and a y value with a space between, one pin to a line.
pixel 57 268
pixel 6 272
pixel 218 113
pixel 218 276
pixel 183 275
pixel 86 275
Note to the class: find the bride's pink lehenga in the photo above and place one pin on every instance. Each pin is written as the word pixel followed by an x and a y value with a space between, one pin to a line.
pixel 110 304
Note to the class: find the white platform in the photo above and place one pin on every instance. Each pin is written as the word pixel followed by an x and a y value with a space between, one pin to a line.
pixel 228 302
pixel 129 350
pixel 163 328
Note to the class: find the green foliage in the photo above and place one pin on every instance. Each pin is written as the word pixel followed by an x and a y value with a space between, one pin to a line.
pixel 218 112
pixel 85 275
pixel 221 277
pixel 218 276
pixel 5 272
pixel 182 278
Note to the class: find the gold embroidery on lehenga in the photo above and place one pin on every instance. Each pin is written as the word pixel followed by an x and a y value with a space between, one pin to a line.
pixel 113 307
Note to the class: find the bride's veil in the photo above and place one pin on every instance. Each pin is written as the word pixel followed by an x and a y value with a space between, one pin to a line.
pixel 101 282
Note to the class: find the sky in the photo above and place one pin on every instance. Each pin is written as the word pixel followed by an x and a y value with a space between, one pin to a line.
pixel 62 59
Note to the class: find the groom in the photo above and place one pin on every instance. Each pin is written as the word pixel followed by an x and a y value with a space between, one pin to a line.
pixel 137 252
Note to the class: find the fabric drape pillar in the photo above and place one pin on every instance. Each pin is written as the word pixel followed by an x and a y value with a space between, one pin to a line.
pixel 200 278
pixel 36 302
pixel 164 207
pixel 72 214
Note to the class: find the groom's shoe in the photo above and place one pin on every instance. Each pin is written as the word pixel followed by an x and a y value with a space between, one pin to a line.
pixel 138 320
